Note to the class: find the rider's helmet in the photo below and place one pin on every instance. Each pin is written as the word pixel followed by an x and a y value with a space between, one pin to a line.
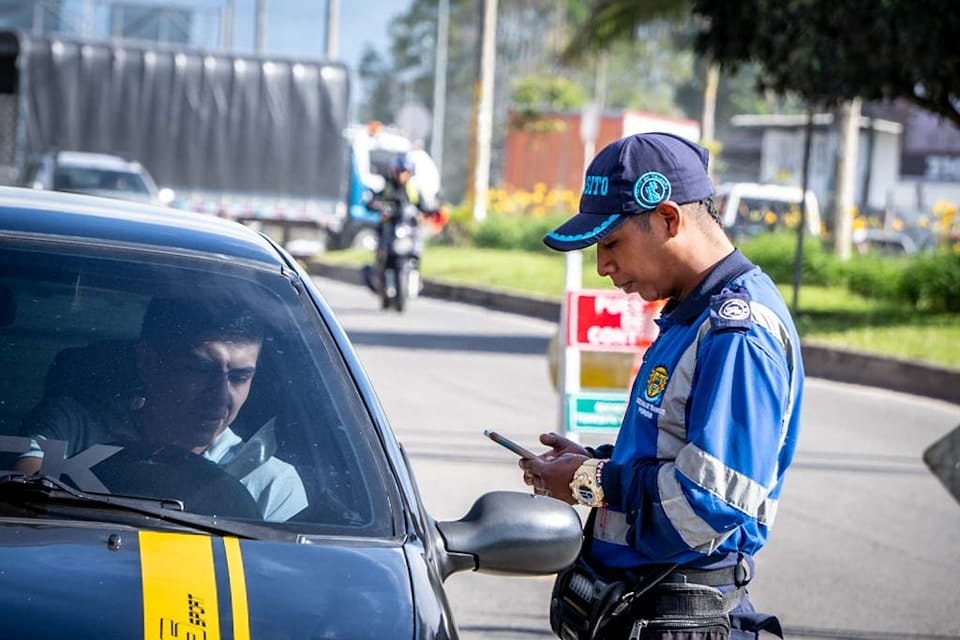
pixel 403 162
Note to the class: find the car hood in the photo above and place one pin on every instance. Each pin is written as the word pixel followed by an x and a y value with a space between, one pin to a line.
pixel 99 582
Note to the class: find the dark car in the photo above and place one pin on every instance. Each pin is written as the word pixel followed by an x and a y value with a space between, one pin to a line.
pixel 97 174
pixel 121 532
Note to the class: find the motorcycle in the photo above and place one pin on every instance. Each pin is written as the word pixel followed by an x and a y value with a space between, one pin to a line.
pixel 396 273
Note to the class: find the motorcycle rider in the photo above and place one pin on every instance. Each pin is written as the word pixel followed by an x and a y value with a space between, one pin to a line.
pixel 399 193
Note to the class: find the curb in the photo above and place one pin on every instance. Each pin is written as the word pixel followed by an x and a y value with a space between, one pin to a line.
pixel 831 363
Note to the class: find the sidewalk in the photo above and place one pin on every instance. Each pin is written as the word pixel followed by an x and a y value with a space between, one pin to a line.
pixel 819 361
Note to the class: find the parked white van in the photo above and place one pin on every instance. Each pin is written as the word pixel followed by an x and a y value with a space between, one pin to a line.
pixel 748 208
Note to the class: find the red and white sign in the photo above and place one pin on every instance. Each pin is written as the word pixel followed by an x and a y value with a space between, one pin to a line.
pixel 600 320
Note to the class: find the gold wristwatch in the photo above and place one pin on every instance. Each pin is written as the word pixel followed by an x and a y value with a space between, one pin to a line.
pixel 586 486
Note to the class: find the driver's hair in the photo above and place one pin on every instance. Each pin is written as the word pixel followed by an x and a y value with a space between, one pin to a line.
pixel 182 323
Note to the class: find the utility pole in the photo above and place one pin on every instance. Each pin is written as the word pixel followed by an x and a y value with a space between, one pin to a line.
pixel 440 85
pixel 488 58
pixel 333 29
pixel 708 116
pixel 260 26
pixel 802 229
pixel 846 178
pixel 226 28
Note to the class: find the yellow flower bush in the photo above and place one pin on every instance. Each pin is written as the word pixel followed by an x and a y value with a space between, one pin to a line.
pixel 540 202
pixel 947 223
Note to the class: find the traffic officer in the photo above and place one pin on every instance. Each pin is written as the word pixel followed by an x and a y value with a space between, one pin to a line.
pixel 689 491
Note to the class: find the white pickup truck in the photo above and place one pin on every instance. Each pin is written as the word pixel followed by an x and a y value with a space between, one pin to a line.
pixel 749 208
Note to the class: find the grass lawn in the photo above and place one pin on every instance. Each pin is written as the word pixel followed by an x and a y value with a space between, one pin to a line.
pixel 831 316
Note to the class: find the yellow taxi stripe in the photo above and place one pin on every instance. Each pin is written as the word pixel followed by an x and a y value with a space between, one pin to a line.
pixel 238 590
pixel 179 586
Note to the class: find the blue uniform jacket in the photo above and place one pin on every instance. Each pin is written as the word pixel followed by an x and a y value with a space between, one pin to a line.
pixel 710 429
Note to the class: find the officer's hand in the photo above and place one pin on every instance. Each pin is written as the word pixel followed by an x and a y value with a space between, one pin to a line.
pixel 552 476
pixel 561 445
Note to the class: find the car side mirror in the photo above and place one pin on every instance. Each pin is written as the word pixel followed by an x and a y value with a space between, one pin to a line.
pixel 509 532
pixel 166 196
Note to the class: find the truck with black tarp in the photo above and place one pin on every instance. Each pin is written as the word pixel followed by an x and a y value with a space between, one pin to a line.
pixel 252 138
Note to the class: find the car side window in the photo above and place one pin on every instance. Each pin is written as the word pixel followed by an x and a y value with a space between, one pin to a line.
pixel 286 423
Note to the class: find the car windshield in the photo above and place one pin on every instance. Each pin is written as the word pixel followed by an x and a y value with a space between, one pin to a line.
pixel 191 379
pixel 67 178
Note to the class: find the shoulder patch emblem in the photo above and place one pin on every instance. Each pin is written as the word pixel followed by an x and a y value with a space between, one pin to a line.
pixel 731 310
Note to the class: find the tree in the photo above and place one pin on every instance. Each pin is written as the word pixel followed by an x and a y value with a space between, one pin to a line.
pixel 610 21
pixel 536 95
pixel 830 52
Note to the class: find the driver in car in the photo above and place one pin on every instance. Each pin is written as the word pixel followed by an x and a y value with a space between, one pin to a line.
pixel 194 367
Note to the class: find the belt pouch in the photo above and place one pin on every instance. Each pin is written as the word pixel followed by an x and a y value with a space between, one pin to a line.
pixel 579 601
pixel 681 611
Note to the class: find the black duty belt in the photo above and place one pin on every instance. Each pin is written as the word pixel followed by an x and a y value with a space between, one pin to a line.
pixel 737 575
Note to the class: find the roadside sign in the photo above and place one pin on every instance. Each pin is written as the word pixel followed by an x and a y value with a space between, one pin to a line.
pixel 600 320
pixel 595 412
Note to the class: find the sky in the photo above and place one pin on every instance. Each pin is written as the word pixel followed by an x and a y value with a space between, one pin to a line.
pixel 295 27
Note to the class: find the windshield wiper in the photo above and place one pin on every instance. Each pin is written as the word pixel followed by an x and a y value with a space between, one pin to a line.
pixel 44 493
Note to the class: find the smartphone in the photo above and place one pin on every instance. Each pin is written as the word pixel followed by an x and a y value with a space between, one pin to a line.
pixel 509 444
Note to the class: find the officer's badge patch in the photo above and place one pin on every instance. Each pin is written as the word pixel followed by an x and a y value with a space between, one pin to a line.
pixel 656 383
pixel 651 189
pixel 731 310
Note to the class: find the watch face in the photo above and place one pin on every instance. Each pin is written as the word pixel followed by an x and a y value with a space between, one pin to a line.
pixel 585 494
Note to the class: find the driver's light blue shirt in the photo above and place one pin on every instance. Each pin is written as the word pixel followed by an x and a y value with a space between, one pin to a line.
pixel 275 485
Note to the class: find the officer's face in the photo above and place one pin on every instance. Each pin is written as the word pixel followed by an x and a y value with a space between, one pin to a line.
pixel 191 397
pixel 635 259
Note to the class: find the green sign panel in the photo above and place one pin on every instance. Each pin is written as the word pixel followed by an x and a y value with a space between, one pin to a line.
pixel 595 411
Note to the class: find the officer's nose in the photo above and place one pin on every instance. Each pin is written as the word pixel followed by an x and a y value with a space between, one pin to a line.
pixel 605 265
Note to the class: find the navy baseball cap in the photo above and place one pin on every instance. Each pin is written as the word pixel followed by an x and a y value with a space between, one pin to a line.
pixel 630 176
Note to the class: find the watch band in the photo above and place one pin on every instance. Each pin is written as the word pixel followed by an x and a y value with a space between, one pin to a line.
pixel 586 486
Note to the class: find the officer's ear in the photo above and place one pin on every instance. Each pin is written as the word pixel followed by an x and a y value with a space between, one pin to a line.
pixel 670 213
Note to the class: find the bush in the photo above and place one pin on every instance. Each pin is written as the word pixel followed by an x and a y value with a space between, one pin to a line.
pixel 774 253
pixel 515 232
pixel 931 282
pixel 875 276
pixel 459 229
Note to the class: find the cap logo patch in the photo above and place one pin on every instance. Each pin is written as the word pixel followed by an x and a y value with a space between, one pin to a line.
pixel 651 189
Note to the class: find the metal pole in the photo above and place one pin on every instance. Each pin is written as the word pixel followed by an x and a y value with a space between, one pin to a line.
pixel 440 85
pixel 226 29
pixel 481 181
pixel 333 29
pixel 843 215
pixel 802 230
pixel 260 26
pixel 38 17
